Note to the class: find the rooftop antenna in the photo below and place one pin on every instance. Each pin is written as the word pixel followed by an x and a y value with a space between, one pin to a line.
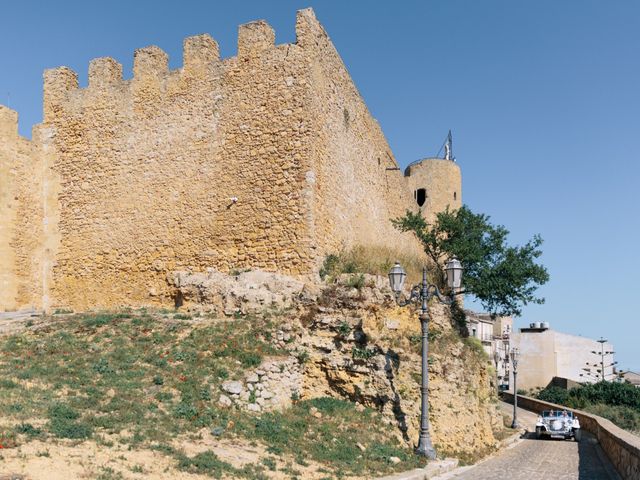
pixel 448 148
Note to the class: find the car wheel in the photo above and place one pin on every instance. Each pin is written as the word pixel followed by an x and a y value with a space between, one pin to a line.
pixel 577 435
pixel 538 433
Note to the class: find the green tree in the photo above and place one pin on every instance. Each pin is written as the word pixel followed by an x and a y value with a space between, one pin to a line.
pixel 502 277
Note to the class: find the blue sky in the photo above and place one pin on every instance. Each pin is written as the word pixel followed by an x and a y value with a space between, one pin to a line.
pixel 543 98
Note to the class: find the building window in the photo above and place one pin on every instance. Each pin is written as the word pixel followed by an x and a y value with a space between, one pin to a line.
pixel 473 332
pixel 421 196
pixel 455 195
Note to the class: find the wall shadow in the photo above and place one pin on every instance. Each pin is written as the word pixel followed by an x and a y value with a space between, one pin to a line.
pixel 592 461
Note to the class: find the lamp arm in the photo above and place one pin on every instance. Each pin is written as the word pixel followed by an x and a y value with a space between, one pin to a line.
pixel 434 291
pixel 413 297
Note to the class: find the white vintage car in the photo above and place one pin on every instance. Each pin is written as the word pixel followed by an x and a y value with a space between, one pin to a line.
pixel 558 424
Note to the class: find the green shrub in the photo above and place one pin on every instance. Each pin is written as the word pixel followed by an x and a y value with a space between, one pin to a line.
pixel 330 405
pixel 102 319
pixel 270 463
pixel 476 346
pixel 102 367
pixel 28 429
pixel 554 395
pixel 362 353
pixel 356 281
pixel 459 319
pixel 250 359
pixel 609 393
pixel 303 356
pixel 623 416
pixel 62 411
pixel 185 410
pixel 344 329
pixel 109 473
pixel 6 383
pixel 65 428
pixel 329 266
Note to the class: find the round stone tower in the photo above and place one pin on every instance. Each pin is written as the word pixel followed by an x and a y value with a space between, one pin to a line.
pixel 436 183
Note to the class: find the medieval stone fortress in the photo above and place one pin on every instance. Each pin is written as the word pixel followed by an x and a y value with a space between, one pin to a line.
pixel 164 243
pixel 266 160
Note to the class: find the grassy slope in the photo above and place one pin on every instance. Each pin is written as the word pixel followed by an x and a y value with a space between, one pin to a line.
pixel 148 378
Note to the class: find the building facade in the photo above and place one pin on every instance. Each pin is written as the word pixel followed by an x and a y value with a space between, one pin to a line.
pixel 632 377
pixel 494 332
pixel 546 353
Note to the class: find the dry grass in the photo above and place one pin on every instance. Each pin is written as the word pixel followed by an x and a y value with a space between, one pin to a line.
pixel 136 381
pixel 374 260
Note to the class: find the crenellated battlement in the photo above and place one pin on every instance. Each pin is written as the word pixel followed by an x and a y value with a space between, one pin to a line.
pixel 8 122
pixel 254 38
pixel 151 64
pixel 58 82
pixel 199 51
pixel 127 180
pixel 308 28
pixel 104 72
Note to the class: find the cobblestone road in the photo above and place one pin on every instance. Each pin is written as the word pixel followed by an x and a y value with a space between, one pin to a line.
pixel 533 459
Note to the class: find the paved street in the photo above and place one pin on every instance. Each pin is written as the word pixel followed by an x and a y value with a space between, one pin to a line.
pixel 533 459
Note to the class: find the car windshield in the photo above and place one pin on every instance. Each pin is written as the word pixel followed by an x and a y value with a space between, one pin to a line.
pixel 556 413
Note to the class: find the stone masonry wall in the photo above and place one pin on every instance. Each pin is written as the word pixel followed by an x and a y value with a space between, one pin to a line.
pixel 267 160
pixel 149 168
pixel 357 185
pixel 24 220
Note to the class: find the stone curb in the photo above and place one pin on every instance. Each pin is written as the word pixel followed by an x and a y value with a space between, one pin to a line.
pixel 431 470
pixel 441 467
pixel 509 440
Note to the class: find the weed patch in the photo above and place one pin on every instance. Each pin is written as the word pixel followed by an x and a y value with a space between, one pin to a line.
pixel 96 375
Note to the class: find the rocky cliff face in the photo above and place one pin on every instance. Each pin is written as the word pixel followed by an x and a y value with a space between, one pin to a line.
pixel 350 340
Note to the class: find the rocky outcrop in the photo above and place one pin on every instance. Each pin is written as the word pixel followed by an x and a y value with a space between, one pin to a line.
pixel 363 347
pixel 273 385
pixel 247 292
pixel 349 339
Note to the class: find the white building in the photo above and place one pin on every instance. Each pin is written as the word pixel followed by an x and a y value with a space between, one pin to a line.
pixel 632 377
pixel 546 353
pixel 494 332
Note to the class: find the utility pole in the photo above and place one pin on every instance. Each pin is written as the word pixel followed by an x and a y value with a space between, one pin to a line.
pixel 602 342
pixel 602 353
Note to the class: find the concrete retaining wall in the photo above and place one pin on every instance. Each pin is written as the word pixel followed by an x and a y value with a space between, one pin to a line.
pixel 622 447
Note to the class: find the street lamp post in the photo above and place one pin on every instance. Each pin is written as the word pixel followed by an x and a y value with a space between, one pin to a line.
pixel 515 353
pixel 496 360
pixel 421 294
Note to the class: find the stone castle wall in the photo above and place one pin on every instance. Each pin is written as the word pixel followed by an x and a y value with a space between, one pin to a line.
pixel 357 186
pixel 25 214
pixel 267 160
pixel 149 167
